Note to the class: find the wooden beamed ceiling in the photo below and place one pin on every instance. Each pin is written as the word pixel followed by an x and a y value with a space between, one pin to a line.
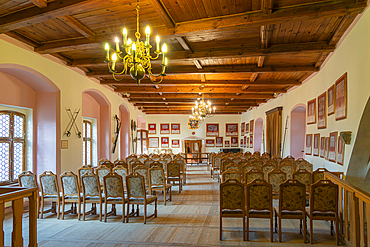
pixel 238 54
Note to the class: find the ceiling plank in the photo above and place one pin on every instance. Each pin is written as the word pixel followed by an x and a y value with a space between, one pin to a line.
pixel 222 90
pixel 163 13
pixel 321 59
pixel 189 112
pixel 40 3
pixel 183 41
pixel 78 26
pixel 197 64
pixel 191 104
pixel 254 77
pixel 22 38
pixel 190 97
pixel 344 24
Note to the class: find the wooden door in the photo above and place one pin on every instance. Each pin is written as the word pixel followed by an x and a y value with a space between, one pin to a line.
pixel 193 150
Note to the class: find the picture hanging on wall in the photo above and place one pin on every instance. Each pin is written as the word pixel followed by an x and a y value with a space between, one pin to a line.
pixel 247 142
pixel 341 98
pixel 311 113
pixel 247 128
pixel 165 142
pixel 332 146
pixel 175 128
pixel 231 129
pixel 340 154
pixel 234 142
pixel 242 126
pixel 321 108
pixel 327 148
pixel 227 144
pixel 210 142
pixel 212 130
pixel 219 141
pixel 165 128
pixel 241 142
pixel 331 100
pixel 153 142
pixel 251 142
pixel 152 128
pixel 175 144
pixel 322 147
pixel 251 127
pixel 316 144
pixel 308 144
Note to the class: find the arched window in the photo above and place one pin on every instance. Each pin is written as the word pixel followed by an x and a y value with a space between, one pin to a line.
pixel 12 145
pixel 87 142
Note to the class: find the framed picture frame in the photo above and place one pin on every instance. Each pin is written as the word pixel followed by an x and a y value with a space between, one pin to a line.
pixel 245 141
pixel 153 142
pixel 210 142
pixel 316 144
pixel 248 142
pixel 227 143
pixel 331 100
pixel 251 142
pixel 332 146
pixel 231 129
pixel 247 128
pixel 175 128
pixel 321 111
pixel 308 144
pixel 175 143
pixel 241 142
pixel 219 141
pixel 251 126
pixel 165 142
pixel 212 129
pixel 242 126
pixel 322 147
pixel 234 141
pixel 165 128
pixel 152 129
pixel 311 112
pixel 340 153
pixel 326 148
pixel 341 98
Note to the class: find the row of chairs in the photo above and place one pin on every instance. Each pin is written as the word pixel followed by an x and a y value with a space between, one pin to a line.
pixel 255 200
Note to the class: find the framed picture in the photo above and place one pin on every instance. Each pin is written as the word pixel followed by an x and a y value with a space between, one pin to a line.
pixel 227 144
pixel 241 142
pixel 175 128
pixel 210 142
pixel 251 142
pixel 341 98
pixel 311 113
pixel 247 128
pixel 321 111
pixel 251 127
pixel 219 141
pixel 165 128
pixel 340 153
pixel 152 128
pixel 316 144
pixel 153 142
pixel 247 142
pixel 322 147
pixel 242 126
pixel 331 100
pixel 231 129
pixel 234 141
pixel 175 143
pixel 327 148
pixel 212 130
pixel 332 146
pixel 165 142
pixel 308 144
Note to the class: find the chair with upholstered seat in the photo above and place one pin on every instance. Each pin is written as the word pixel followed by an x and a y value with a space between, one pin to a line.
pixel 136 195
pixel 28 180
pixel 275 178
pixel 49 192
pixel 106 163
pixel 318 174
pixel 233 166
pixel 252 175
pixel 323 206
pixel 303 164
pixel 259 203
pixel 292 201
pixel 142 158
pixel 143 171
pixel 161 163
pixel 122 171
pixel 84 170
pixel 114 194
pixel 182 164
pixel 266 168
pixel 173 174
pixel 135 164
pixel 157 182
pixel 120 162
pixel 216 164
pixel 148 163
pixel 102 171
pixel 70 193
pixel 91 193
pixel 303 176
pixel 257 163
pixel 232 202
pixel 287 166
pixel 231 174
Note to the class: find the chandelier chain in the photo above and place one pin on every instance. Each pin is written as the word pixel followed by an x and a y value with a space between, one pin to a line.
pixel 137 34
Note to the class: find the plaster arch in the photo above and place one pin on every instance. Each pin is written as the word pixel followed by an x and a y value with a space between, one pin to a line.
pixel 141 123
pixel 203 150
pixel 258 130
pixel 297 130
pixel 125 131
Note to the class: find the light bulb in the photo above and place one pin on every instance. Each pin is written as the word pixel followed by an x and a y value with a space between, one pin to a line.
pixel 164 48
pixel 116 40
pixel 114 57
pixel 129 42
pixel 157 39
pixel 124 31
pixel 147 30
pixel 133 46
pixel 106 46
pixel 165 61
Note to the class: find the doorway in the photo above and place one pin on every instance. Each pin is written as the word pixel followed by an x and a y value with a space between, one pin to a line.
pixel 297 131
pixel 193 150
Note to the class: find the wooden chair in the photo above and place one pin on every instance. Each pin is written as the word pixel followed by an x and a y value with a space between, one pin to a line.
pixel 275 178
pixel 257 154
pixel 130 158
pixel 142 158
pixel 287 167
pixel 84 170
pixel 232 202
pixel 143 171
pixel 231 174
pixel 304 177
pixel 114 194
pixel 289 160
pixel 318 174
pixel 216 164
pixel 49 192
pixel 122 171
pixel 106 163
pixel 252 175
pixel 323 206
pixel 182 164
pixel 157 182
pixel 135 164
pixel 136 195
pixel 101 161
pixel 303 164
pixel 102 171
pixel 156 157
pixel 266 168
pixel 161 163
pixel 157 164
pixel 27 179
pixel 292 202
pixel 70 193
pixel 265 155
pixel 91 193
pixel 120 162
pixel 233 166
pixel 257 163
pixel 173 174
pixel 259 203
pixel 247 154
pixel 148 163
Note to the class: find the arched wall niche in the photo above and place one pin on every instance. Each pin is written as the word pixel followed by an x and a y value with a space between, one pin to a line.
pixel 297 130
pixel 141 123
pixel 25 87
pixel 96 105
pixel 203 150
pixel 258 129
pixel 125 131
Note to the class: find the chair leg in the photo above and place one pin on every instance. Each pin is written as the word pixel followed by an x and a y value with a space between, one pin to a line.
pixel 105 211
pixel 304 229
pixel 155 209
pixel 145 205
pixel 101 210
pixel 128 211
pixel 272 228
pixel 331 228
pixel 84 209
pixel 63 208
pixel 276 222
pixel 42 208
pixel 164 192
pixel 171 194
pixel 220 227
pixel 123 211
pixel 280 237
pixel 247 226
pixel 243 228
pixel 337 230
pixel 79 210
pixel 58 209
pixel 311 231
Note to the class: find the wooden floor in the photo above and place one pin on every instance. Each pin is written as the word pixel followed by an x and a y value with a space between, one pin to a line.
pixel 191 219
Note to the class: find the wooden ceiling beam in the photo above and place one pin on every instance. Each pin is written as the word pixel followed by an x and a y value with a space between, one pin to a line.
pixel 197 64
pixel 221 90
pixel 218 109
pixel 183 41
pixel 78 26
pixel 191 104
pixel 40 3
pixel 189 112
pixel 191 100
pixel 191 97
pixel 22 38
pixel 163 13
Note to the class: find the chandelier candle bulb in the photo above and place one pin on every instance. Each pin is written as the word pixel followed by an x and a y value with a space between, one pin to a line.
pixel 114 59
pixel 107 49
pixel 117 44
pixel 157 40
pixel 124 36
pixel 147 32
pixel 164 50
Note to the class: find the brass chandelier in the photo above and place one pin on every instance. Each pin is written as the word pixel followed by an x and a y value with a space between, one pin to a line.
pixel 202 110
pixel 135 56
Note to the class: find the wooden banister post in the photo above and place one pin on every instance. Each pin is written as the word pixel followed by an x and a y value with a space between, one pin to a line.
pixel 33 212
pixel 354 220
pixel 2 215
pixel 17 239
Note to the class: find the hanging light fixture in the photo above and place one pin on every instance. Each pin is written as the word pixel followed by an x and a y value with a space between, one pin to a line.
pixel 202 110
pixel 135 56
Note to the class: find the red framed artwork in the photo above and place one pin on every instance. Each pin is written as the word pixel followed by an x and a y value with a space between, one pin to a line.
pixel 219 141
pixel 165 142
pixel 241 142
pixel 175 128
pixel 308 144
pixel 245 141
pixel 332 146
pixel 175 143
pixel 251 142
pixel 248 142
pixel 227 144
pixel 321 111
pixel 327 148
pixel 165 128
pixel 341 98
pixel 311 113
pixel 251 127
pixel 210 142
pixel 234 141
pixel 231 129
pixel 242 126
pixel 247 128
pixel 152 128
pixel 322 147
pixel 331 100
pixel 316 144
pixel 153 142
pixel 340 153
pixel 212 130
